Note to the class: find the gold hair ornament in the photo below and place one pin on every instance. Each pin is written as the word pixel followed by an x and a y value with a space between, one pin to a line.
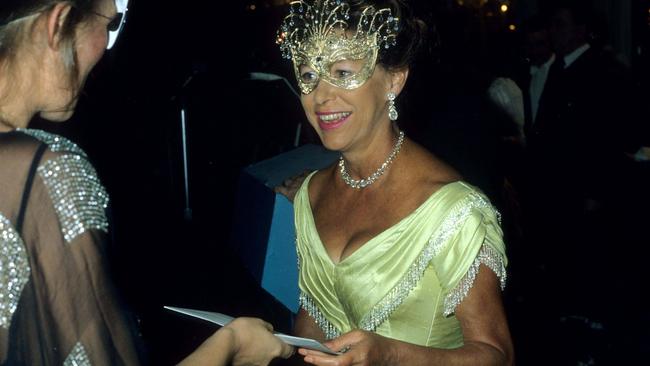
pixel 316 36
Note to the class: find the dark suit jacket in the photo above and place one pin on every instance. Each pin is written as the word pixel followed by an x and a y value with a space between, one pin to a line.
pixel 582 127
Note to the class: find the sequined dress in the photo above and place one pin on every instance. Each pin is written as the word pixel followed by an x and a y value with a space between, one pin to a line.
pixel 406 282
pixel 57 305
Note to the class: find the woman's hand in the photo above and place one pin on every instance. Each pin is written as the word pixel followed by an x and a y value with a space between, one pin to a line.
pixel 254 342
pixel 359 347
pixel 242 342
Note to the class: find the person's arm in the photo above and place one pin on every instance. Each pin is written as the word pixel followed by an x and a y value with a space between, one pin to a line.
pixel 290 186
pixel 244 341
pixel 64 234
pixel 216 350
pixel 485 332
pixel 305 326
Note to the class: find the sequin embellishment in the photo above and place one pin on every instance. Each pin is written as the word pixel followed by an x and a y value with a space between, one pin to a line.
pixel 307 303
pixel 396 296
pixel 54 142
pixel 77 357
pixel 311 308
pixel 493 260
pixel 78 196
pixel 14 271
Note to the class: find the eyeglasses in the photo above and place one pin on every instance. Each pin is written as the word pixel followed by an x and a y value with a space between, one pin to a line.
pixel 116 23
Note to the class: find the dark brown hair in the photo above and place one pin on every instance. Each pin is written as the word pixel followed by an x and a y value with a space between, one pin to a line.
pixel 413 35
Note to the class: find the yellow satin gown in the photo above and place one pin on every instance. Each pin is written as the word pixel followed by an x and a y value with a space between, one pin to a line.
pixel 406 282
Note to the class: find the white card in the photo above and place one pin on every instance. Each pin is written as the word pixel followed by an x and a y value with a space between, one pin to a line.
pixel 222 319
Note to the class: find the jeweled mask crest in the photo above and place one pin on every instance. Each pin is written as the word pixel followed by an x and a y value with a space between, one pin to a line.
pixel 317 34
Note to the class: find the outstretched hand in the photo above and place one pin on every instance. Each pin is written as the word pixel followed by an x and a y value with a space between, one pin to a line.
pixel 254 342
pixel 242 342
pixel 358 347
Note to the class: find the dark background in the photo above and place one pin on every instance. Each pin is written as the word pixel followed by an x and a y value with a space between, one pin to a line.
pixel 198 54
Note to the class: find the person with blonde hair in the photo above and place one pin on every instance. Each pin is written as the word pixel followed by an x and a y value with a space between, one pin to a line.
pixel 57 303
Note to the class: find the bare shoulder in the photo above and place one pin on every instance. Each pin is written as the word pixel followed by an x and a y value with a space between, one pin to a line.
pixel 319 181
pixel 429 172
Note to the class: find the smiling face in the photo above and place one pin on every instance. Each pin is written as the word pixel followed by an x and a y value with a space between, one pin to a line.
pixel 348 119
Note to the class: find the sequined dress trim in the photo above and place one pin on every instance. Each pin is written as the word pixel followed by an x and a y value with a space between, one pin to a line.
pixel 412 277
pixel 54 142
pixel 14 270
pixel 307 303
pixel 78 196
pixel 437 242
pixel 487 256
pixel 77 357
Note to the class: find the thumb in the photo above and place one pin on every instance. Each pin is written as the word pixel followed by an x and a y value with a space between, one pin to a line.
pixel 268 326
pixel 338 344
pixel 287 350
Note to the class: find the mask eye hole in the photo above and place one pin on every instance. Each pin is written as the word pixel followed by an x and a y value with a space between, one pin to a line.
pixel 342 74
pixel 308 75
pixel 346 69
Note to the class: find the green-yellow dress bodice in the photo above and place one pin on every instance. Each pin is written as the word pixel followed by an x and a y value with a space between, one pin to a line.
pixel 406 282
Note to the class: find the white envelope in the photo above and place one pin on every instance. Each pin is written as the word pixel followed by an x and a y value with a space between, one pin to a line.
pixel 223 319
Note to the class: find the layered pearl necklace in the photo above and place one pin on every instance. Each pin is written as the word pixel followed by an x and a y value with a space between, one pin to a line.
pixel 363 183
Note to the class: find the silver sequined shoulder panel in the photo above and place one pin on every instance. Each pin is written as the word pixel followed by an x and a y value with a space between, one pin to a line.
pixel 14 271
pixel 54 142
pixel 77 357
pixel 78 196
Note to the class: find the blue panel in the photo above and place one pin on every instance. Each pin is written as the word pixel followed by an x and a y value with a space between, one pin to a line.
pixel 263 227
pixel 252 223
pixel 275 170
pixel 280 276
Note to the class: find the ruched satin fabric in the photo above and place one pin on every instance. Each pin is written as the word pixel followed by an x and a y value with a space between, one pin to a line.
pixel 397 282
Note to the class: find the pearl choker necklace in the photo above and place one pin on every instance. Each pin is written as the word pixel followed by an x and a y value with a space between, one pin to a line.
pixel 363 183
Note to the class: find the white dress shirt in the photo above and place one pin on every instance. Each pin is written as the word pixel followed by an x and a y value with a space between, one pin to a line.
pixel 538 75
pixel 573 56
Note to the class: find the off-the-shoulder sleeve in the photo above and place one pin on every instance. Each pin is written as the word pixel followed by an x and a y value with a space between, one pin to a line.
pixel 475 238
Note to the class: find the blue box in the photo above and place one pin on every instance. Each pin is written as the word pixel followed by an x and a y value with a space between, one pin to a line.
pixel 263 227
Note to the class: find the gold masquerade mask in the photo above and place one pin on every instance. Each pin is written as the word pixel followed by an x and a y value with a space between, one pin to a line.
pixel 317 36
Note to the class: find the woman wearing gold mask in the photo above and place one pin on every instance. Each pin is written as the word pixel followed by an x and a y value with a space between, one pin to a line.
pixel 401 262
